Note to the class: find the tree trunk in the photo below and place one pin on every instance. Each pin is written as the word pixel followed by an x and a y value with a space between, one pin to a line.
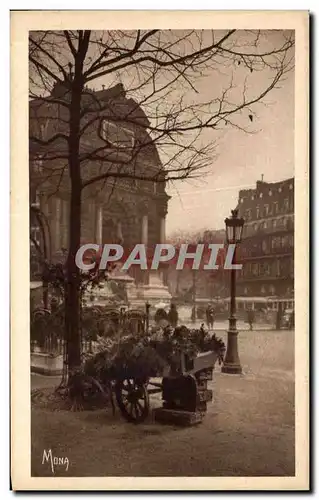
pixel 73 294
pixel 72 298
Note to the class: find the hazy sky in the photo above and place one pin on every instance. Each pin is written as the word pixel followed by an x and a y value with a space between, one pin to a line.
pixel 242 159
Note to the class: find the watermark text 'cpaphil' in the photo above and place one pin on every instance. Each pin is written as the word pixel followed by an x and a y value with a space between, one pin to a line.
pixel 207 257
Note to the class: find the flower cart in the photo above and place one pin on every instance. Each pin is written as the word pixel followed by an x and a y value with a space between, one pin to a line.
pixel 183 358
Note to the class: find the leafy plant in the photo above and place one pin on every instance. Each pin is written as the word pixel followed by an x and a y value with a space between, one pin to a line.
pixel 147 355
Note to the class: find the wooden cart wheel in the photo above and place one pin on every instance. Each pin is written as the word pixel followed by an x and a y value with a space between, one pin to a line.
pixel 132 399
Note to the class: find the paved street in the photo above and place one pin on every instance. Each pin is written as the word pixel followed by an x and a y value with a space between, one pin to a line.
pixel 248 430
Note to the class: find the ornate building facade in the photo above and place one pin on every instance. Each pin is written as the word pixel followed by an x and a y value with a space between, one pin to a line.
pixel 126 210
pixel 267 249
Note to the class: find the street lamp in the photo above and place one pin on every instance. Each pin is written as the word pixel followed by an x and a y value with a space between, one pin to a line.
pixel 147 315
pixel 234 229
pixel 193 317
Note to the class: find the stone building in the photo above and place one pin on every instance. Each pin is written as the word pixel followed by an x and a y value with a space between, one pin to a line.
pixel 267 249
pixel 126 211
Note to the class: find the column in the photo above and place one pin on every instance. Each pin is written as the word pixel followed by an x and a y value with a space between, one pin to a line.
pixel 193 317
pixel 99 224
pixel 119 234
pixel 162 235
pixel 144 238
pixel 145 229
pixel 57 224
pixel 162 211
pixel 162 230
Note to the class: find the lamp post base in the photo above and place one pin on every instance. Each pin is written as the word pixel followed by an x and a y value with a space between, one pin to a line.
pixel 232 369
pixel 232 363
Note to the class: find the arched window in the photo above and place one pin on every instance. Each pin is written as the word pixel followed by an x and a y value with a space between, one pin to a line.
pixel 272 289
pixel 286 204
pixel 117 136
pixel 257 212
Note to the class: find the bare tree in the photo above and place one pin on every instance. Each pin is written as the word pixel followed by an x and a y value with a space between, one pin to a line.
pixel 162 71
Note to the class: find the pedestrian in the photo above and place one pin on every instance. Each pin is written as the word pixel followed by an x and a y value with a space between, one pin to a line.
pixel 207 316
pixel 250 318
pixel 173 315
pixel 278 319
pixel 210 316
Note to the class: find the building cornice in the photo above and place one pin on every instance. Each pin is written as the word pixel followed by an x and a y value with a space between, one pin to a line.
pixel 267 256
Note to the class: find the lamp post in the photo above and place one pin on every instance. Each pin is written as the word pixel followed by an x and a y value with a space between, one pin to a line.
pixel 147 316
pixel 234 229
pixel 194 297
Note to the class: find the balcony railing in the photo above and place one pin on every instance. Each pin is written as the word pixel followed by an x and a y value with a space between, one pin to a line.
pixel 270 252
pixel 263 276
pixel 267 230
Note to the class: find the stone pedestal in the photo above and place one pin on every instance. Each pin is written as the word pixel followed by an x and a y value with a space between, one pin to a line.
pixel 46 364
pixel 104 294
pixel 155 291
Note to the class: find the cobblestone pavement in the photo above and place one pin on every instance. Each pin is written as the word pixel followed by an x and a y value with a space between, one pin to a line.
pixel 248 429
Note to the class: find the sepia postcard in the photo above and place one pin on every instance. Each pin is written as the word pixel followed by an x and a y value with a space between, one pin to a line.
pixel 159 250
